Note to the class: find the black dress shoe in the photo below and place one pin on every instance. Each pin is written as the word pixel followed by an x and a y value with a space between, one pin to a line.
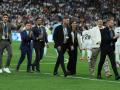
pixel 68 73
pixel 33 67
pixel 37 68
pixel 17 69
pixel 65 75
pixel 99 77
pixel 55 74
pixel 117 77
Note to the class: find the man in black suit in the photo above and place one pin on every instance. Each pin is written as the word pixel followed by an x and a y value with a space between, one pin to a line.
pixel 25 46
pixel 39 41
pixel 63 41
pixel 107 48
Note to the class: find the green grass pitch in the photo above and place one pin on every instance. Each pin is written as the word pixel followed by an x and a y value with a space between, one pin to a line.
pixel 45 79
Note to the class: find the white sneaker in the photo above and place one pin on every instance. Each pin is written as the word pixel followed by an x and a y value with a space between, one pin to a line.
pixel 1 71
pixel 7 70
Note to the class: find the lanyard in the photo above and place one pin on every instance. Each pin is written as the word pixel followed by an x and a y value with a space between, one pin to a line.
pixel 5 30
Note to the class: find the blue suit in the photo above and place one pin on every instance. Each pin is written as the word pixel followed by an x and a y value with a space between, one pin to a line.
pixel 25 48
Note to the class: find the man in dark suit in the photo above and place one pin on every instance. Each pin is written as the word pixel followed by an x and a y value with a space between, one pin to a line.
pixel 63 41
pixel 5 42
pixel 107 48
pixel 25 47
pixel 39 41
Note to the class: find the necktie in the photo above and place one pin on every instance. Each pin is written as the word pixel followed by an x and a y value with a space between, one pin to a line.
pixel 5 30
pixel 75 36
pixel 40 34
pixel 111 33
pixel 39 29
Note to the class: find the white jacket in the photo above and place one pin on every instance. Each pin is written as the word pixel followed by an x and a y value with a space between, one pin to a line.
pixel 95 37
pixel 117 32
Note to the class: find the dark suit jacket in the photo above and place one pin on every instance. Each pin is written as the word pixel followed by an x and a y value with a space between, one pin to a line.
pixel 58 36
pixel 107 42
pixel 36 34
pixel 25 40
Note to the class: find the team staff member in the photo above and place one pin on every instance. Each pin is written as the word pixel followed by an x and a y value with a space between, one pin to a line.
pixel 25 46
pixel 95 33
pixel 5 42
pixel 63 41
pixel 107 48
pixel 39 41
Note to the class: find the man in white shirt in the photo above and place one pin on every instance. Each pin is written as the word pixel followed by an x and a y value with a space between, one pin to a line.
pixel 96 41
pixel 117 45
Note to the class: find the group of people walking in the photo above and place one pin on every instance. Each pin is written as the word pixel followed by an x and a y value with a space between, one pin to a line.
pixel 67 37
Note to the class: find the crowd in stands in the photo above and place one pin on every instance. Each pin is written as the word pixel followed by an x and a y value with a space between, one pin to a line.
pixel 88 10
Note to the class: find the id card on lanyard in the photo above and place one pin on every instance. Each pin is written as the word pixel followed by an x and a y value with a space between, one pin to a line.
pixel 5 31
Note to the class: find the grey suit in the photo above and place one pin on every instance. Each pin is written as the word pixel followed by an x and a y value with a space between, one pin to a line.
pixel 5 43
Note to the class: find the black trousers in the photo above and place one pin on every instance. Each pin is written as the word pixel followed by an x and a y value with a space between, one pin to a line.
pixel 39 51
pixel 60 58
pixel 71 66
pixel 4 44
pixel 60 61
pixel 25 51
pixel 111 55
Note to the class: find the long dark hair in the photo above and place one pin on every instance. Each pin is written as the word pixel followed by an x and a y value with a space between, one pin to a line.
pixel 72 21
pixel 118 23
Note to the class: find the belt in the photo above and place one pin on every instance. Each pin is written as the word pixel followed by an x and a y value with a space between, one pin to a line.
pixel 39 40
pixel 95 48
pixel 4 39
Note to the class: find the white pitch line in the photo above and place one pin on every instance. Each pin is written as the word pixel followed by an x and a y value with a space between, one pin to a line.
pixel 95 79
pixel 76 77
